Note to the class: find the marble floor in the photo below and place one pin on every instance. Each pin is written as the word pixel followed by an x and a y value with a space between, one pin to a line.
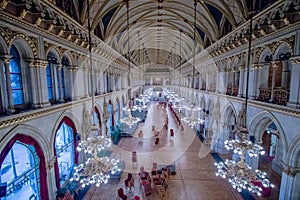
pixel 195 171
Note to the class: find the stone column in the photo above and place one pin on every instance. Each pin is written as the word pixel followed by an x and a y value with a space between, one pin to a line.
pixel 10 108
pixel 222 82
pixel 294 98
pixel 253 81
pixel 275 66
pixel 59 81
pixel 39 86
pixel 242 80
pixel 85 83
pixel 74 87
pixel 290 182
pixel 222 138
pixel 113 77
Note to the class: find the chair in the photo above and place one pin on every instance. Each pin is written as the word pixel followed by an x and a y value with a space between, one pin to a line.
pixel 146 191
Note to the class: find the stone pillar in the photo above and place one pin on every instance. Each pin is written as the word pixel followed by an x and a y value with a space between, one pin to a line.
pixel 242 80
pixel 74 93
pixel 39 86
pixel 253 81
pixel 10 108
pixel 222 138
pixel 85 83
pixel 274 65
pixel 59 81
pixel 294 98
pixel 222 82
pixel 290 182
pixel 113 77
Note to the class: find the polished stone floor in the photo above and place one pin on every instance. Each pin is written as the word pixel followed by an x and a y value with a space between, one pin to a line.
pixel 195 171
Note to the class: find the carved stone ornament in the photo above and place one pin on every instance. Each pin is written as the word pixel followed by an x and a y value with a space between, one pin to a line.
pixel 50 163
pixel 288 170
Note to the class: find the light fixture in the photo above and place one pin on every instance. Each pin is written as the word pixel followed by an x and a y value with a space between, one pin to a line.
pixel 96 170
pixel 193 119
pixel 241 176
pixel 129 119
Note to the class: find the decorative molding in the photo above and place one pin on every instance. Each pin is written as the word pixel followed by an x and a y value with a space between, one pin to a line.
pixel 289 170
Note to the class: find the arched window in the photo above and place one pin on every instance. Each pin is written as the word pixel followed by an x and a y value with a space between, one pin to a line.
pixel 23 169
pixel 20 170
pixel 16 77
pixel 65 152
pixel 51 80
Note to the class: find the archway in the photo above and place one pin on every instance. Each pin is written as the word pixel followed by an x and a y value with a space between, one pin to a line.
pixel 65 143
pixel 33 171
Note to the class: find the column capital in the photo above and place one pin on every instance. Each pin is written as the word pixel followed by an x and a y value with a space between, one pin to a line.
pixel 295 60
pixel 257 66
pixel 74 68
pixel 6 58
pixel 289 170
pixel 275 63
pixel 241 68
pixel 37 63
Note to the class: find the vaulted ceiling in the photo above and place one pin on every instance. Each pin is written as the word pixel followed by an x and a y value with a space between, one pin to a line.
pixel 161 32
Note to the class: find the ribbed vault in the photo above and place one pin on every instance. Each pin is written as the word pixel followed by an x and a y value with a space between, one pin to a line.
pixel 161 31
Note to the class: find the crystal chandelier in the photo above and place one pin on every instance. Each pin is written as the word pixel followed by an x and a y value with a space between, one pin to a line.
pixel 129 119
pixel 241 176
pixel 96 169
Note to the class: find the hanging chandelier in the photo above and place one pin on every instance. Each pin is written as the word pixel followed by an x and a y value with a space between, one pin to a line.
pixel 193 118
pixel 241 176
pixel 96 169
pixel 129 119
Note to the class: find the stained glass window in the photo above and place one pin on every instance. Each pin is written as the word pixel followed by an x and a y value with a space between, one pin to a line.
pixel 64 145
pixel 16 77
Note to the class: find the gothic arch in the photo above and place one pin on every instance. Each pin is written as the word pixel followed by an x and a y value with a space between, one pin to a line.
pixel 33 132
pixel 283 47
pixel 4 48
pixel 24 44
pixel 55 51
pixel 69 56
pixel 293 158
pixel 23 47
pixel 260 122
pixel 71 116
pixel 262 54
pixel 228 109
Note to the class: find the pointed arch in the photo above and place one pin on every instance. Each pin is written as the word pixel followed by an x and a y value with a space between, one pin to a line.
pixel 259 123
pixel 31 136
pixel 69 119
